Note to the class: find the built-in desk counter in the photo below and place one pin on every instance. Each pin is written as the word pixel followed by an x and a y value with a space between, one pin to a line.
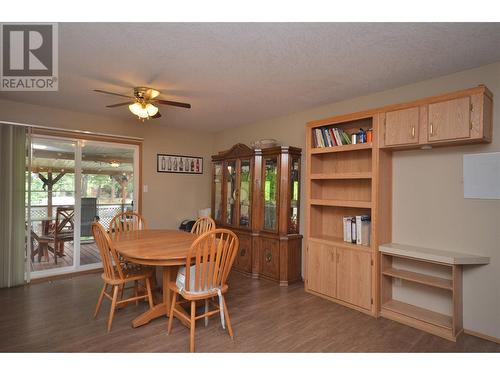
pixel 432 255
pixel 449 264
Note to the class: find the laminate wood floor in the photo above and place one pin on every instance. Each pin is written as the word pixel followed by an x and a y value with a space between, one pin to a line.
pixel 57 317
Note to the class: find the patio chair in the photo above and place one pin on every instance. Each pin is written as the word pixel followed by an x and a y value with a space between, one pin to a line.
pixel 40 246
pixel 63 229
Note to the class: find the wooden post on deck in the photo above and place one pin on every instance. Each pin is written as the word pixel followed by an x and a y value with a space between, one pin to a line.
pixel 49 182
pixel 122 180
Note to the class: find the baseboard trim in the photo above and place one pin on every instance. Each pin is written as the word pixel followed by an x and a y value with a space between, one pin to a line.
pixel 482 336
pixel 64 276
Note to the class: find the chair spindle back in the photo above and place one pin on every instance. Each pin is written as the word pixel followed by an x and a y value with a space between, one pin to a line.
pixel 203 224
pixel 214 253
pixel 127 222
pixel 110 259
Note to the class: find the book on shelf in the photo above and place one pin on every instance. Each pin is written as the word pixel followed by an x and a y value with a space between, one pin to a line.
pixel 347 228
pixel 330 137
pixel 357 229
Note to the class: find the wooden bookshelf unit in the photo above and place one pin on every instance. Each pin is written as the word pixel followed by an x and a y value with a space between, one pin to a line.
pixel 344 181
pixel 356 179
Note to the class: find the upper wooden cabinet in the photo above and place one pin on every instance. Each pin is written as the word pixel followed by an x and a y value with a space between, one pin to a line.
pixel 401 127
pixel 450 120
pixel 456 118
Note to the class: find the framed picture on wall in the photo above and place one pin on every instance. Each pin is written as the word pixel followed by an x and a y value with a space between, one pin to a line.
pixel 166 163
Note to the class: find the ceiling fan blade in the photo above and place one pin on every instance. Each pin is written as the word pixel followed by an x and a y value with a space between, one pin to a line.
pixel 118 104
pixel 158 115
pixel 175 104
pixel 152 93
pixel 114 93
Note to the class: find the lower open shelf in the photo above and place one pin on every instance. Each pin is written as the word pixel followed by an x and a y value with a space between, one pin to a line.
pixel 419 313
pixel 419 278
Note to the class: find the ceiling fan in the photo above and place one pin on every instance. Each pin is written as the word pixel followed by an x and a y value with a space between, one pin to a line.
pixel 142 104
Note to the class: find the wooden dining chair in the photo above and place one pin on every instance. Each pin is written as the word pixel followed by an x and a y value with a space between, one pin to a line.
pixel 117 276
pixel 213 255
pixel 202 225
pixel 126 222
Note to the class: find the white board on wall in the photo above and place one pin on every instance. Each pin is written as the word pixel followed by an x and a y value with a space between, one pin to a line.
pixel 482 175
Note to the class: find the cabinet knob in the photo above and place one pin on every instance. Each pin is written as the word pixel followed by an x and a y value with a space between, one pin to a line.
pixel 243 252
pixel 269 257
pixel 432 129
pixel 412 133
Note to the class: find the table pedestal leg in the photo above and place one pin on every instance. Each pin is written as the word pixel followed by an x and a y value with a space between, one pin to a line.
pixel 162 309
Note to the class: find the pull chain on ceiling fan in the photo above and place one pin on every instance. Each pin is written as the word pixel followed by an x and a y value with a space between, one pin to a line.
pixel 142 104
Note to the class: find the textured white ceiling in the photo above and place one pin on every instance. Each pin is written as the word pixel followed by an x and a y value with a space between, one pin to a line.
pixel 239 73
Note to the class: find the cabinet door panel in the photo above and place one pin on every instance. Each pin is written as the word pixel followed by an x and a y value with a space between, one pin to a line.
pixel 243 260
pixel 449 120
pixel 217 192
pixel 231 193
pixel 354 277
pixel 270 193
pixel 244 192
pixel 401 127
pixel 321 269
pixel 270 257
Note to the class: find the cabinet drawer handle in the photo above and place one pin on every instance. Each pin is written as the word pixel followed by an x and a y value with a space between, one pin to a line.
pixel 413 132
pixel 243 252
pixel 269 257
pixel 432 129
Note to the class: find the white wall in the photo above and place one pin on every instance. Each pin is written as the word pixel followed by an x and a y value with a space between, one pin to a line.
pixel 428 204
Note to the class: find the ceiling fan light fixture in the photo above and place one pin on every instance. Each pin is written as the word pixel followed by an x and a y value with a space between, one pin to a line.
pixel 151 109
pixel 143 111
pixel 138 109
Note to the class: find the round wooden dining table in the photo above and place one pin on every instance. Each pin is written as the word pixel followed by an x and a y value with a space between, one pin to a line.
pixel 155 247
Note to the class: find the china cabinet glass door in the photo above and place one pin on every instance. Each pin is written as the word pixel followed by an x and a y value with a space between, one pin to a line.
pixel 231 192
pixel 218 191
pixel 293 219
pixel 244 193
pixel 270 193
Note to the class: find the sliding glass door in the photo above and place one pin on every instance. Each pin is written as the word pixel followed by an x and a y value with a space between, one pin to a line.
pixel 107 188
pixel 70 184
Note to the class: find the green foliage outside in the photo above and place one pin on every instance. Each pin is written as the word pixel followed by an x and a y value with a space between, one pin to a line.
pixel 104 187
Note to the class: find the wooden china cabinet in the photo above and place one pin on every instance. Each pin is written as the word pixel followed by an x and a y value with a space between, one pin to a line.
pixel 255 193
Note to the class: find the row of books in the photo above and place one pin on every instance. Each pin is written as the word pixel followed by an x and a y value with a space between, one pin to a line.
pixel 330 137
pixel 357 229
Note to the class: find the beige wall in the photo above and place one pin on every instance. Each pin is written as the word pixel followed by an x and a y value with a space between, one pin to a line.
pixel 428 210
pixel 170 197
pixel 428 204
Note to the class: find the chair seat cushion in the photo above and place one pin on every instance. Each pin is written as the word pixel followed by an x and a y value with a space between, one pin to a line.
pixel 181 282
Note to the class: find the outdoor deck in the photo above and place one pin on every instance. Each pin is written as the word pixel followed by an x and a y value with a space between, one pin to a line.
pixel 89 254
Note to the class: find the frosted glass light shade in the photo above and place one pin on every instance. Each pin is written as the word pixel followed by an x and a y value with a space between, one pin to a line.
pixel 151 109
pixel 143 110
